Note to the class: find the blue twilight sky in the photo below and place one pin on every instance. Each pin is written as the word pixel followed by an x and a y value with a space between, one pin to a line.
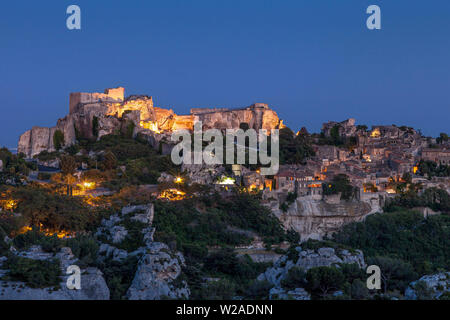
pixel 311 60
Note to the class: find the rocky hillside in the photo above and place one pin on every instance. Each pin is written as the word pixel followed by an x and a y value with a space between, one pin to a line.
pixel 93 115
pixel 280 275
pixel 38 274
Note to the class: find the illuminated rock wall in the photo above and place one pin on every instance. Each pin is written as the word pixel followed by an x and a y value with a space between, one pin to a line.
pixel 108 109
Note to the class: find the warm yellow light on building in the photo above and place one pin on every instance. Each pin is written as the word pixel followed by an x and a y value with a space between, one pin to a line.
pixel 10 204
pixel 88 185
pixel 172 194
pixel 375 133
pixel 179 180
pixel 150 125
pixel 227 180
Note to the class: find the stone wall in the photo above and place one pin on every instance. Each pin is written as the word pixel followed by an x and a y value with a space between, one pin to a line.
pixel 79 98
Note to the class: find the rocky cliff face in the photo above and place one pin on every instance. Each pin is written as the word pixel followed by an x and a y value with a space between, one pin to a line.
pixel 158 273
pixel 257 116
pixel 110 107
pixel 38 139
pixel 314 218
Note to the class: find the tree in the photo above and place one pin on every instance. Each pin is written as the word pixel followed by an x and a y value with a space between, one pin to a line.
pixel 294 149
pixel 110 161
pixel 335 135
pixel 294 279
pixel 395 273
pixel 358 290
pixel 68 168
pixel 443 137
pixel 58 139
pixel 324 280
pixel 339 184
pixel 95 125
pixel 361 127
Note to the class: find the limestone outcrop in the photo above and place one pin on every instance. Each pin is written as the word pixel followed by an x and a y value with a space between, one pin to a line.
pixel 313 217
pixel 257 116
pixel 157 275
pixel 93 115
pixel 429 287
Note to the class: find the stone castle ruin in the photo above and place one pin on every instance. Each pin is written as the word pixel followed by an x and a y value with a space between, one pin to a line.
pixel 93 115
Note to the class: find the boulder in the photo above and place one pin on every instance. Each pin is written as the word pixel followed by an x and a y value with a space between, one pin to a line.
pixel 157 275
pixel 432 287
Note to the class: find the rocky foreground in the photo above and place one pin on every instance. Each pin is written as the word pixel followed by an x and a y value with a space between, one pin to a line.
pixel 157 270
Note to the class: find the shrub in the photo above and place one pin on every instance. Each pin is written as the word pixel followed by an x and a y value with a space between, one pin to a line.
pixel 118 275
pixel 258 290
pixel 84 247
pixel 58 139
pixel 296 278
pixel 35 237
pixel 34 273
pixel 406 235
pixel 222 289
pixel 321 281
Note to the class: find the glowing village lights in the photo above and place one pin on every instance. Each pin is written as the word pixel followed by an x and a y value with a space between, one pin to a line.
pixel 179 180
pixel 227 180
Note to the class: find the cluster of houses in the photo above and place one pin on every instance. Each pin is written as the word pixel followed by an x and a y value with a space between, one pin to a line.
pixel 379 158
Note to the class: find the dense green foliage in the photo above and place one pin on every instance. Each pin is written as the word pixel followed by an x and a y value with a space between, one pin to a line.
pixel 396 274
pixel 221 223
pixel 323 280
pixel 84 247
pixel 443 137
pixel 14 164
pixel 402 235
pixel 335 138
pixel 294 148
pixel 54 211
pixel 135 237
pixel 194 225
pixel 339 184
pixel 235 275
pixel 432 169
pixel 34 273
pixel 118 275
pixel 95 125
pixel 434 198
pixel 58 139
